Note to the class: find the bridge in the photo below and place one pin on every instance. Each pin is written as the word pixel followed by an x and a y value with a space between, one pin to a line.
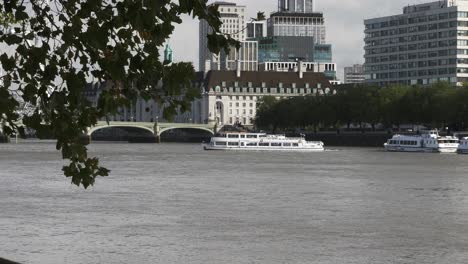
pixel 157 129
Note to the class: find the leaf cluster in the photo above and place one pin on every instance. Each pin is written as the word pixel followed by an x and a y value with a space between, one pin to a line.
pixel 56 49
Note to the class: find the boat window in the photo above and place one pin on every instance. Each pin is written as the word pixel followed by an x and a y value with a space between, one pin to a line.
pixel 233 144
pixel 251 144
pixel 264 144
pixel 295 144
pixel 276 144
pixel 233 136
pixel 242 136
pixel 263 136
pixel 220 143
pixel 251 136
pixel 286 144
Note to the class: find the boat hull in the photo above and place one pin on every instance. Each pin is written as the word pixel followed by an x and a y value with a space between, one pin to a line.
pixel 421 150
pixel 462 151
pixel 208 147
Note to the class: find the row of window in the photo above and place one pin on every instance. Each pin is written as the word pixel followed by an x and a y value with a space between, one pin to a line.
pixel 409 74
pixel 273 90
pixel 414 29
pixel 254 144
pixel 416 37
pixel 414 64
pixel 243 104
pixel 404 142
pixel 244 111
pixel 414 20
pixel 419 46
pixel 419 55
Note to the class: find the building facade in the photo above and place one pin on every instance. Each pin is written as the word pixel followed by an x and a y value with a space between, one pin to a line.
pixel 256 29
pixel 298 25
pixel 296 6
pixel 246 58
pixel 231 97
pixel 234 20
pixel 425 44
pixel 354 74
pixel 328 69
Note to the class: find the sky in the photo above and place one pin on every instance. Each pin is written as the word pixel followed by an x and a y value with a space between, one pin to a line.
pixel 344 20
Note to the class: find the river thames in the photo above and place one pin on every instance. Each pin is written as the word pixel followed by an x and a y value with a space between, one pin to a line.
pixel 174 203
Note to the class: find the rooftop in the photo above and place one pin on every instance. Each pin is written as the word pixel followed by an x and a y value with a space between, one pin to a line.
pixel 271 79
pixel 288 14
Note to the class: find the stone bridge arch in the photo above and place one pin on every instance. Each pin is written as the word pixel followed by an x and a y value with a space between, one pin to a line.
pixel 194 128
pixel 94 129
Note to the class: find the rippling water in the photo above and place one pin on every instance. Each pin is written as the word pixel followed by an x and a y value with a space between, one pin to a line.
pixel 173 203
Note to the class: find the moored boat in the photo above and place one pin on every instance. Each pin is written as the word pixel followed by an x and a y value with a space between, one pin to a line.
pixel 463 147
pixel 262 142
pixel 428 141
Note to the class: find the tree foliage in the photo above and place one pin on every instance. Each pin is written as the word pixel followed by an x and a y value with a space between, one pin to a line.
pixel 439 105
pixel 51 49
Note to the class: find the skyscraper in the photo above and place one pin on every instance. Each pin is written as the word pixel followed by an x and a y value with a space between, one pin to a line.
pixel 234 20
pixel 297 24
pixel 296 6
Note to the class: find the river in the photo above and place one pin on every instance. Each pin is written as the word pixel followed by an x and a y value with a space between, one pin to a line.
pixel 174 203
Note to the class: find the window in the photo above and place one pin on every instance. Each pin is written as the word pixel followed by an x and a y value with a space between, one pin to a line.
pixel 286 144
pixel 264 144
pixel 251 144
pixel 233 143
pixel 252 136
pixel 220 143
pixel 233 136
pixel 275 144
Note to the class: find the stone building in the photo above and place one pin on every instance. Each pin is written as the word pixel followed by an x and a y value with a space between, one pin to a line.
pixel 230 97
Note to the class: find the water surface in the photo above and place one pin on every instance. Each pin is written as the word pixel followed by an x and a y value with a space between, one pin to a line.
pixel 173 203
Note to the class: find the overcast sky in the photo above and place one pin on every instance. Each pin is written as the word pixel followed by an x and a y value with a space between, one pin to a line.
pixel 343 18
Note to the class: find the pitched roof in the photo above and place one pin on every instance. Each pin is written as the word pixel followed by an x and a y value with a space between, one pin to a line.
pixel 271 79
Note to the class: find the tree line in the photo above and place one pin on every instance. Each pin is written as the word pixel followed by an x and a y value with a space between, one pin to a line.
pixel 436 106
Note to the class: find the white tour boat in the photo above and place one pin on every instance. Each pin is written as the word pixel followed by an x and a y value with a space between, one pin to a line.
pixel 463 147
pixel 261 141
pixel 428 141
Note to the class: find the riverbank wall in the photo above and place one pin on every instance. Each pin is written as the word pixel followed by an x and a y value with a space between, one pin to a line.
pixel 350 139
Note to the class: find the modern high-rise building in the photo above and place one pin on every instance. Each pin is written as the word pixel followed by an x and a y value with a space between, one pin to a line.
pixel 256 29
pixel 296 6
pixel 290 24
pixel 246 58
pixel 354 74
pixel 425 44
pixel 234 20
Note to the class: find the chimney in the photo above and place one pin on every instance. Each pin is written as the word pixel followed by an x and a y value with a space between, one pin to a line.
pixel 301 69
pixel 238 69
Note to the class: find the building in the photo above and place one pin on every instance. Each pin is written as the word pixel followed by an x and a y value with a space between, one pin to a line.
pixel 231 97
pixel 296 6
pixel 285 48
pixel 328 69
pixel 425 44
pixel 256 29
pixel 140 110
pixel 296 33
pixel 234 21
pixel 289 24
pixel 354 74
